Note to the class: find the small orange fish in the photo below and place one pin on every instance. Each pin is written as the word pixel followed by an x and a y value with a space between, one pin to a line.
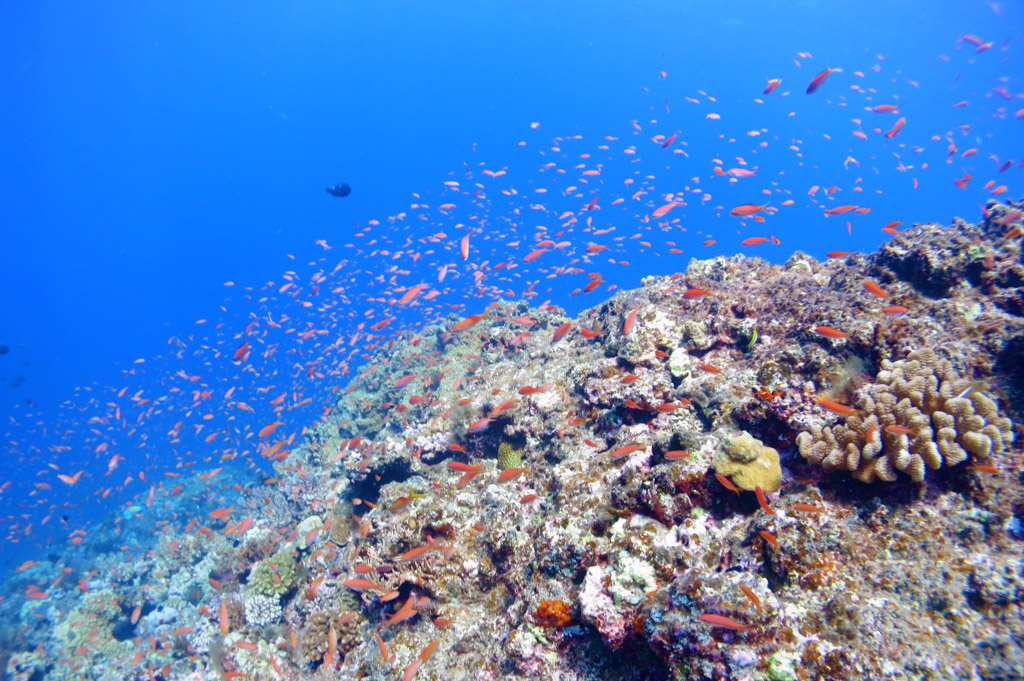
pixel 724 622
pixel 69 479
pixel 898 430
pixel 836 408
pixel 676 454
pixel 694 293
pixel 502 407
pixel 895 309
pixel 224 622
pixel 663 210
pixel 763 501
pixel 874 289
pixel 628 325
pixel 769 537
pixel 747 209
pixel 414 553
pixel 727 483
pixel 751 595
pixel 710 368
pixel 829 332
pixel 470 321
pixel 772 84
pixel 808 508
pixel 625 451
pixel 754 241
pixel 819 80
pixel 561 331
pixel 359 584
pixel 510 474
pixel 837 254
pixel 241 352
pixel 896 128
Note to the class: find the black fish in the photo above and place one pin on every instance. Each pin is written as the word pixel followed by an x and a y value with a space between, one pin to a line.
pixel 341 190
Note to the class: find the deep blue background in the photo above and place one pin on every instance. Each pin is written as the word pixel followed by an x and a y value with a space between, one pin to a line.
pixel 151 151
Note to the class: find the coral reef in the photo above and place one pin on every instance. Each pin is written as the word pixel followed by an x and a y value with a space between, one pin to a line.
pixel 918 412
pixel 546 506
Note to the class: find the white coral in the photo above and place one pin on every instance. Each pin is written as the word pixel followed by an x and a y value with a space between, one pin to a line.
pixel 262 610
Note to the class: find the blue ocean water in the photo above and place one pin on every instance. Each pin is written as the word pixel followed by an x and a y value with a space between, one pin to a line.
pixel 153 152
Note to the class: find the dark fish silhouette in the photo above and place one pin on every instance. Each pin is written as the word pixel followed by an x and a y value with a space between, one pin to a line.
pixel 339 190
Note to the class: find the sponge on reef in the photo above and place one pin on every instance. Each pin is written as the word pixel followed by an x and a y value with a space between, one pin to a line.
pixel 918 412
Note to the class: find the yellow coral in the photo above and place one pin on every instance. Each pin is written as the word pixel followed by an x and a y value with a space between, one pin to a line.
pixel 509 456
pixel 917 413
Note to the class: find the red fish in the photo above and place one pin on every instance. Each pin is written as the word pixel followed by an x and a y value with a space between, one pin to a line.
pixel 772 84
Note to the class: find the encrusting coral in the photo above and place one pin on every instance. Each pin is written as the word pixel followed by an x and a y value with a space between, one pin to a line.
pixel 274 575
pixel 749 462
pixel 315 637
pixel 508 456
pixel 918 412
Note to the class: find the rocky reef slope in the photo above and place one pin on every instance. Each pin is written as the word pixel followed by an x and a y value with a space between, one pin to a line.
pixel 621 496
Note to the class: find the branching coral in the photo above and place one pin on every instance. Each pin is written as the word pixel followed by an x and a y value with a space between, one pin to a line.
pixel 917 413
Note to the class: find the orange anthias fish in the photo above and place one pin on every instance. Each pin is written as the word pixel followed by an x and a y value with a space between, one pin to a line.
pixel 841 210
pixel 819 80
pixel 829 332
pixel 874 289
pixel 659 212
pixel 470 321
pixel 772 84
pixel 724 622
pixel 747 209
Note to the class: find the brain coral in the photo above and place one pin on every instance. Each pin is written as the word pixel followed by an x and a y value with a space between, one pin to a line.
pixel 918 412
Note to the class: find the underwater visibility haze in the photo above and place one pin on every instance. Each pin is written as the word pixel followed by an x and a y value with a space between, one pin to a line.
pixel 609 340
